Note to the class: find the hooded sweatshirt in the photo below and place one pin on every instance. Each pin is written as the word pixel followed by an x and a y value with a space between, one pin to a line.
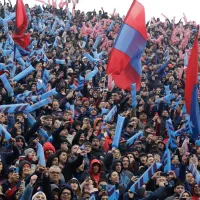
pixel 48 146
pixel 96 177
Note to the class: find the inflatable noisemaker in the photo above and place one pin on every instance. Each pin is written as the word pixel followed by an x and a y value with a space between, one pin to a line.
pixel 133 95
pixel 91 74
pixel 167 90
pixel 4 133
pixel 42 132
pixel 134 138
pixel 104 111
pixel 145 177
pixel 118 131
pixel 166 99
pixel 7 85
pixel 49 94
pixel 90 58
pixel 171 133
pixel 111 114
pixel 98 39
pixel 59 61
pixel 24 73
pixel 40 154
pixel 111 26
pixel 13 108
pixel 39 105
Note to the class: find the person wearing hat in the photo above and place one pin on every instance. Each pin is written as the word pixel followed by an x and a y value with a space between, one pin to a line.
pixel 96 152
pixel 117 166
pixel 55 190
pixel 30 155
pixel 48 149
pixel 66 193
pixel 24 169
pixel 39 196
pixel 20 143
pixel 9 186
pixel 75 185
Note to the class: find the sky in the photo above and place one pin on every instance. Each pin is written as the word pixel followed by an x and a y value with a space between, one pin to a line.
pixel 171 8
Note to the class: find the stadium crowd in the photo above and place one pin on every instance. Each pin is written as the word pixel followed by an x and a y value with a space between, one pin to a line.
pixel 63 150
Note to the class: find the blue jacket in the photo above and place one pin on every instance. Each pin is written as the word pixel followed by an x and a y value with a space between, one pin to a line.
pixel 27 194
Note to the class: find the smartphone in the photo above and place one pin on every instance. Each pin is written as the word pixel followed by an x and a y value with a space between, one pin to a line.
pixel 16 170
pixel 176 156
pixel 82 147
pixel 22 184
pixel 163 174
pixel 21 158
pixel 104 187
pixel 33 167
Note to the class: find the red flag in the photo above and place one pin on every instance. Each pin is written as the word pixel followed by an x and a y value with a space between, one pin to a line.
pixel 21 23
pixel 21 18
pixel 22 40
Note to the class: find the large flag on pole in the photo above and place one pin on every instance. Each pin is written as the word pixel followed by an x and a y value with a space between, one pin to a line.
pixel 124 63
pixel 191 90
pixel 21 23
pixel 21 18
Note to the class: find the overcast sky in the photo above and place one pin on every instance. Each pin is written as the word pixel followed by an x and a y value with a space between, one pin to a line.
pixel 153 7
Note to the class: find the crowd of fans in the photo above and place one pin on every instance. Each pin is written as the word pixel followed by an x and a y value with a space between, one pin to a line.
pixel 80 160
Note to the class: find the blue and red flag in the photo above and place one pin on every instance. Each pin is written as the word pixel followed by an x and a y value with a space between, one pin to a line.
pixel 124 63
pixel 191 90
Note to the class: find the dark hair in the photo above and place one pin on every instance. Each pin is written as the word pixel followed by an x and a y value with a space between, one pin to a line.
pixel 179 183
